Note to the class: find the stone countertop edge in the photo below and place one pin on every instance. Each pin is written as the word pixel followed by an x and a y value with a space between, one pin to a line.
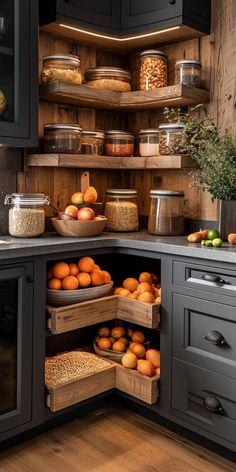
pixel 51 243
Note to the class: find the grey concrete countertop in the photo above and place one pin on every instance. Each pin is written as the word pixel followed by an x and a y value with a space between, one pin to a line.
pixel 11 248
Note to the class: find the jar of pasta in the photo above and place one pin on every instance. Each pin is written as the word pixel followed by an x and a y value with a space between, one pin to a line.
pixel 153 69
pixel 121 210
pixel 64 67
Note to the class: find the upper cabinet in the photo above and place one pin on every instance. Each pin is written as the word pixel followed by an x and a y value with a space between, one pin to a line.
pixel 18 72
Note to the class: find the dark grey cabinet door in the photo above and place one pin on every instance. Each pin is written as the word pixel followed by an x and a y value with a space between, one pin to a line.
pixel 135 13
pixel 16 307
pixel 102 13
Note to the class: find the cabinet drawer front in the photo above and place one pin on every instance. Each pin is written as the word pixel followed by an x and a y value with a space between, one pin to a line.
pixel 193 322
pixel 191 387
pixel 216 280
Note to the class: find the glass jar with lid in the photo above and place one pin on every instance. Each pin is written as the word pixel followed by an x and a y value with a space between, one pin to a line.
pixel 171 138
pixel 119 143
pixel 121 210
pixel 153 69
pixel 62 138
pixel 64 67
pixel 92 142
pixel 26 215
pixel 108 78
pixel 188 72
pixel 149 142
pixel 166 215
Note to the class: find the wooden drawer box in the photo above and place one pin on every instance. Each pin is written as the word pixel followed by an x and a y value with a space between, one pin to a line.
pixel 139 386
pixel 140 313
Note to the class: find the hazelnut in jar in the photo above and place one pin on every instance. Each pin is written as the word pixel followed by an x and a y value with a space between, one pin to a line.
pixel 153 69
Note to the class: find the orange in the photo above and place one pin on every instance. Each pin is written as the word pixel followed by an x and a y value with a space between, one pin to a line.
pixel 118 332
pixel 158 372
pixel 117 290
pixel 154 356
pixel 61 270
pixel 139 350
pixel 104 343
pixel 86 264
pixel 97 277
pixel 132 344
pixel 70 283
pixel 54 284
pixel 118 346
pixel 49 274
pixel 131 284
pixel 84 279
pixel 144 287
pixel 146 368
pixel 72 211
pixel 104 332
pixel 124 292
pixel 96 267
pixel 146 277
pixel 107 277
pixel 146 297
pixel 124 340
pixel 138 337
pixel 158 300
pixel 155 291
pixel 133 296
pixel 74 270
pixel 159 292
pixel 129 360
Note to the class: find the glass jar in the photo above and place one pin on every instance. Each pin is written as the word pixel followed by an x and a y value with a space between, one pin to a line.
pixel 62 138
pixel 153 69
pixel 108 78
pixel 148 142
pixel 64 67
pixel 188 72
pixel 121 210
pixel 171 138
pixel 166 215
pixel 119 143
pixel 26 215
pixel 92 142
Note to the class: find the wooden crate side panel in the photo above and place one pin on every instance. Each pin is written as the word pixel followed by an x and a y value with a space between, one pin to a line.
pixel 137 385
pixel 143 314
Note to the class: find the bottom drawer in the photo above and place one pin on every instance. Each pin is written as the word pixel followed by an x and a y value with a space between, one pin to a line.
pixel 192 387
pixel 137 385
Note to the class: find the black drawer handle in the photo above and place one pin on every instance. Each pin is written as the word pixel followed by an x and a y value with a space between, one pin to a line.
pixel 215 337
pixel 213 278
pixel 212 403
pixel 172 2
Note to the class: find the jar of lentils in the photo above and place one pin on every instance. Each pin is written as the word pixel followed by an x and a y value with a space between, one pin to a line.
pixel 171 138
pixel 119 143
pixel 64 67
pixel 26 215
pixel 153 69
pixel 121 210
pixel 188 72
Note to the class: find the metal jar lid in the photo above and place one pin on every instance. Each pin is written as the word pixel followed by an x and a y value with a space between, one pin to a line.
pixel 27 199
pixel 188 61
pixel 61 126
pixel 166 193
pixel 148 131
pixel 95 133
pixel 121 192
pixel 118 134
pixel 171 126
pixel 153 52
pixel 110 72
pixel 62 57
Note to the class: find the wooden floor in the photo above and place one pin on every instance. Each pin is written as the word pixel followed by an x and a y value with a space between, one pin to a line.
pixel 111 440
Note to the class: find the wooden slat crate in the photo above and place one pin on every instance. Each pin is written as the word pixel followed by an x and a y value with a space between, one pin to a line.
pixel 139 386
pixel 140 313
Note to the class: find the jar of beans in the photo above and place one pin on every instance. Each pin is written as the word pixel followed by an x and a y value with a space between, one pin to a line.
pixel 171 138
pixel 119 143
pixel 188 72
pixel 153 70
pixel 121 210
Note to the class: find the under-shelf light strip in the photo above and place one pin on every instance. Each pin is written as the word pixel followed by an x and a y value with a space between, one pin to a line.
pixel 113 38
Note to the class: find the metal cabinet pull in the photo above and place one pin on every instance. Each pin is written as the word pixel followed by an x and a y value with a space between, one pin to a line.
pixel 213 278
pixel 215 337
pixel 172 2
pixel 30 279
pixel 212 403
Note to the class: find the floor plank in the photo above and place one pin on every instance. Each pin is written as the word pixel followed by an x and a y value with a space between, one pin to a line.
pixel 111 440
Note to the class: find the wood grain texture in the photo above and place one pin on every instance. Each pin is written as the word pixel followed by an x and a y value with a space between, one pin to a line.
pixel 140 313
pixel 137 385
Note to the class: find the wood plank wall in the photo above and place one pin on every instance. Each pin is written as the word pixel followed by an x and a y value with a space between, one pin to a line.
pixel 217 53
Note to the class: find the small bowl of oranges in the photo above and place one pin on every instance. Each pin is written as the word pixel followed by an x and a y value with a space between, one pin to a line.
pixel 74 282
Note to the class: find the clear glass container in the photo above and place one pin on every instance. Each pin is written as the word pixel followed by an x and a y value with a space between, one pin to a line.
pixel 26 215
pixel 148 142
pixel 166 215
pixel 64 67
pixel 153 69
pixel 171 138
pixel 119 143
pixel 62 138
pixel 92 142
pixel 121 210
pixel 108 78
pixel 188 72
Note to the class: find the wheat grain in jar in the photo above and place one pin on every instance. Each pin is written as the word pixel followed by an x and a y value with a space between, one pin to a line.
pixel 26 215
pixel 121 210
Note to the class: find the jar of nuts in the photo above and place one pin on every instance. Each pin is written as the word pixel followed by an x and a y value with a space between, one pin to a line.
pixel 26 215
pixel 108 78
pixel 171 138
pixel 188 72
pixel 121 210
pixel 153 70
pixel 119 143
pixel 64 67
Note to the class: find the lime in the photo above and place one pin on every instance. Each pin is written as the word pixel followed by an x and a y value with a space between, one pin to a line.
pixel 203 242
pixel 213 234
pixel 217 242
pixel 208 242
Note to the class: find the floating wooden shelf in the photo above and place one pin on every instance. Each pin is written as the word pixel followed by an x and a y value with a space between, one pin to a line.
pixel 105 162
pixel 82 95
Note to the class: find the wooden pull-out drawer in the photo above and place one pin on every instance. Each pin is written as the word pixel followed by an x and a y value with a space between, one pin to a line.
pixel 140 313
pixel 139 386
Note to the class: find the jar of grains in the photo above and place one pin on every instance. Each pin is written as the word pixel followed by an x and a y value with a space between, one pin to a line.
pixel 166 215
pixel 171 138
pixel 121 210
pixel 108 78
pixel 62 138
pixel 26 215
pixel 188 72
pixel 153 69
pixel 92 142
pixel 149 142
pixel 64 67
pixel 119 143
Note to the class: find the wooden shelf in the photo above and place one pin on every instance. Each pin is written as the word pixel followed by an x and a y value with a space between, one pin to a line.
pixel 106 162
pixel 82 95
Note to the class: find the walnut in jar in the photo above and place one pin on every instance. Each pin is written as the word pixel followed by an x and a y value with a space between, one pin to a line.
pixel 153 70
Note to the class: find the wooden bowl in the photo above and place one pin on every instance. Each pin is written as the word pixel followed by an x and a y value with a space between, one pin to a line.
pixel 78 229
pixel 113 355
pixel 70 297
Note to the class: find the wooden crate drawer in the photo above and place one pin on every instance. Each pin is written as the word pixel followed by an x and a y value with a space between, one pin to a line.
pixel 140 313
pixel 139 386
pixel 83 314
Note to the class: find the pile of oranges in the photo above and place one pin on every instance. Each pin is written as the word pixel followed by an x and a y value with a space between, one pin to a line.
pixel 145 289
pixel 131 343
pixel 70 276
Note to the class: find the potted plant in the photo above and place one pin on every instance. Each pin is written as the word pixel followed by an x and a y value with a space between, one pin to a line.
pixel 214 163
